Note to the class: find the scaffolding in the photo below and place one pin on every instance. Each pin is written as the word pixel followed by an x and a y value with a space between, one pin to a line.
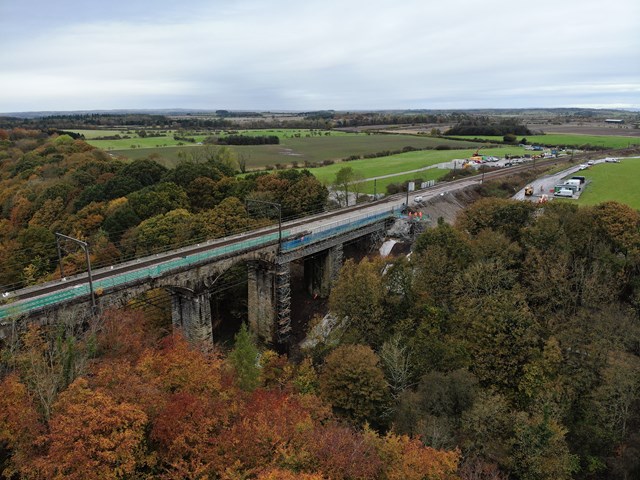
pixel 283 301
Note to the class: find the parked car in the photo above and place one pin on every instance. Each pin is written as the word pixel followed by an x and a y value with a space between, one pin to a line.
pixel 583 166
pixel 612 160
pixel 591 162
pixel 564 192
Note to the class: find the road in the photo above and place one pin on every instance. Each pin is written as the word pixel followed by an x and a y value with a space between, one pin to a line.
pixel 544 185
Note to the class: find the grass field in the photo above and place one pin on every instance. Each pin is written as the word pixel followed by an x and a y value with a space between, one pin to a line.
pixel 606 141
pixel 404 162
pixel 381 184
pixel 302 149
pixel 613 181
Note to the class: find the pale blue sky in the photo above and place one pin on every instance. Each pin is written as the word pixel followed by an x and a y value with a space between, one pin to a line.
pixel 307 55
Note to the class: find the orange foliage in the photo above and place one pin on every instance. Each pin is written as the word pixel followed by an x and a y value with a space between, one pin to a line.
pixel 184 432
pixel 279 474
pixel 276 371
pixel 21 212
pixel 125 334
pixel 178 367
pixel 270 429
pixel 19 423
pixel 342 453
pixel 92 437
pixel 409 459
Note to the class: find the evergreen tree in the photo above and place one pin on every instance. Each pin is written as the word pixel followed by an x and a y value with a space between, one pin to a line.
pixel 243 358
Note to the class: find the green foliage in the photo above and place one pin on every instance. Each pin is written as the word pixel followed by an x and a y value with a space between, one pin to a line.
pixel 540 451
pixel 147 172
pixel 158 199
pixel 358 295
pixel 244 358
pixel 353 382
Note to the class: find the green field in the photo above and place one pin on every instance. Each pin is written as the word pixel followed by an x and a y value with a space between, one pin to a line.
pixel 381 184
pixel 404 162
pixel 301 149
pixel 613 181
pixel 556 139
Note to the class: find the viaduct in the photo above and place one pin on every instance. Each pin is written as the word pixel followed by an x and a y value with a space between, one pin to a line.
pixel 190 275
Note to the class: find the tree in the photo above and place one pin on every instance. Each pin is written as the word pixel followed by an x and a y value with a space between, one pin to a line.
pixel 20 426
pixel 618 397
pixel 501 336
pixel 270 430
pixel 92 437
pixel 540 451
pixel 510 138
pixel 171 229
pixel 342 453
pixel 158 199
pixel 184 431
pixel 435 409
pixel 358 295
pixel 228 217
pixel 244 358
pixel 147 172
pixel 49 359
pixel 408 459
pixel 344 177
pixel 353 382
pixel 202 193
pixel 506 216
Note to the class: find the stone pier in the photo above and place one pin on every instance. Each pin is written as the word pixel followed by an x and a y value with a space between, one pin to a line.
pixel 261 300
pixel 191 314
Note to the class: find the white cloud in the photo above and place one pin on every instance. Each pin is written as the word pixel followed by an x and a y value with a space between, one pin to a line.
pixel 330 54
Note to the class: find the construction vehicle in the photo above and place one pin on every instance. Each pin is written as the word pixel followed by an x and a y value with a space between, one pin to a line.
pixel 528 190
pixel 476 157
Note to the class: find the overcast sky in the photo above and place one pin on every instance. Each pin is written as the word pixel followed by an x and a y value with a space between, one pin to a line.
pixel 310 54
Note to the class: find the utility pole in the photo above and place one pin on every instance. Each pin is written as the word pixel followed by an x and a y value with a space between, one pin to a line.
pixel 279 208
pixel 374 189
pixel 85 247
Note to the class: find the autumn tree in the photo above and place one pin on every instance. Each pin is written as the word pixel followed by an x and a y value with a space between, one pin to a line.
pixel 353 382
pixel 49 359
pixel 501 337
pixel 407 458
pixel 92 437
pixel 20 426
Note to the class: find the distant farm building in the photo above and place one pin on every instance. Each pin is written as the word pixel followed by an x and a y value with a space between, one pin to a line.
pixel 613 120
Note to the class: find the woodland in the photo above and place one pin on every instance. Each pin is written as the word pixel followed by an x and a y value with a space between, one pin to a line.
pixel 53 183
pixel 507 346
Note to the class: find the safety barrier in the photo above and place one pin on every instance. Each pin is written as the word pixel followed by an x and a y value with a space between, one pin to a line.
pixel 21 307
pixel 334 229
pixel 155 271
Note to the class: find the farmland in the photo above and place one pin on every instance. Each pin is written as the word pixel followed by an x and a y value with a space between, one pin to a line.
pixel 312 149
pixel 575 140
pixel 613 181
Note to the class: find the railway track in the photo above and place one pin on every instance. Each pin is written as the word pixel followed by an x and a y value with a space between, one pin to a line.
pixel 391 201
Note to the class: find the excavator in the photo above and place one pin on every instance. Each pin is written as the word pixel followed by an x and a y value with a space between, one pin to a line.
pixel 476 157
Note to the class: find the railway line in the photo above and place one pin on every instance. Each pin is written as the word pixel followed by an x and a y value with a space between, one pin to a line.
pixel 77 285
